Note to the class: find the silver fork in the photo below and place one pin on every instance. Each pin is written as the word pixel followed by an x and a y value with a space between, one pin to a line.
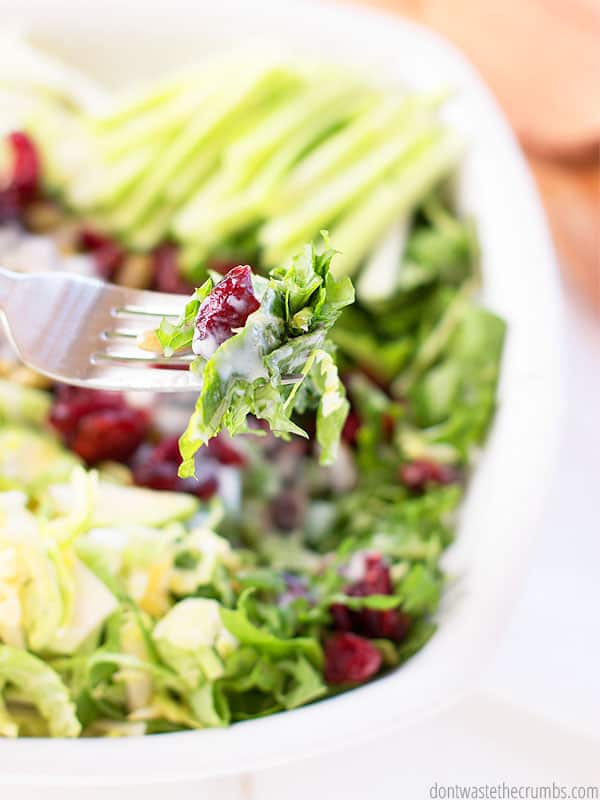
pixel 84 332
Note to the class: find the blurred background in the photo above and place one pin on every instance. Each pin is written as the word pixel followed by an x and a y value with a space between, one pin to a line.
pixel 541 58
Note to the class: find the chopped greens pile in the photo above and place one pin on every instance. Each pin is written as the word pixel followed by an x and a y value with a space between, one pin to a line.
pixel 302 557
pixel 285 336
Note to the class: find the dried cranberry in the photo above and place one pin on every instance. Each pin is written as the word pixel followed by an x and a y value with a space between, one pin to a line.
pixel 106 253
pixel 222 265
pixel 111 434
pixel 26 166
pixel 167 450
pixel 167 275
pixel 227 307
pixel 159 471
pixel 418 474
pixel 204 487
pixel 157 475
pixel 72 404
pixel 376 579
pixel 90 239
pixel 98 426
pixel 342 619
pixel 350 659
pixel 351 428
pixel 20 185
pixel 288 509
pixel 391 623
pixel 222 449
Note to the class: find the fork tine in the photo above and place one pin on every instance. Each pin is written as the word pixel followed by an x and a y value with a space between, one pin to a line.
pixel 141 357
pixel 119 377
pixel 144 311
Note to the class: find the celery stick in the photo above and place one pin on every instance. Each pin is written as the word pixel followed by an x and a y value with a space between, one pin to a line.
pixel 147 97
pixel 102 186
pixel 131 106
pixel 220 111
pixel 245 156
pixel 343 147
pixel 349 144
pixel 184 184
pixel 152 232
pixel 191 258
pixel 378 280
pixel 213 220
pixel 360 230
pixel 165 118
pixel 250 152
pixel 304 221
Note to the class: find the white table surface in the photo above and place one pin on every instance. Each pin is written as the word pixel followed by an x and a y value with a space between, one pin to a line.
pixel 535 717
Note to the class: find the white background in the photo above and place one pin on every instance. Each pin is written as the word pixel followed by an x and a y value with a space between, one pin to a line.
pixel 534 718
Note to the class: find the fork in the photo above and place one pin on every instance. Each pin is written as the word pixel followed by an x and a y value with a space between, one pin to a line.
pixel 84 332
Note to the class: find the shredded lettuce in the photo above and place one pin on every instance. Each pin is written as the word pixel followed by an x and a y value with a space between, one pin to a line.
pixel 299 304
pixel 42 687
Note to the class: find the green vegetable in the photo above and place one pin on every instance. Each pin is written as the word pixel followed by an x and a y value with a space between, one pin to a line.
pixel 31 460
pixel 42 687
pixel 299 304
pixel 240 626
pixel 22 404
pixel 129 611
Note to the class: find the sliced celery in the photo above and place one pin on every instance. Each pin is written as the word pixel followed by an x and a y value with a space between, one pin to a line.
pixel 216 218
pixel 219 111
pixel 360 230
pixel 303 222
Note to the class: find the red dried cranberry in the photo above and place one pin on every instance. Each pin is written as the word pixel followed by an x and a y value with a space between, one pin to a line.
pixel 205 487
pixel 288 509
pixel 106 253
pixel 224 452
pixel 376 579
pixel 167 275
pixel 222 265
pixel 342 621
pixel 167 450
pixel 350 659
pixel 391 623
pixel 112 434
pixel 98 426
pixel 73 403
pixel 157 475
pixel 227 307
pixel 159 471
pixel 26 166
pixel 418 474
pixel 20 185
pixel 351 428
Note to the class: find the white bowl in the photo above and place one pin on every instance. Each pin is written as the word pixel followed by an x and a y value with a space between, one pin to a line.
pixel 120 41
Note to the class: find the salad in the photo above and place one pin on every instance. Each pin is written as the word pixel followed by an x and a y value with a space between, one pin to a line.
pixel 164 568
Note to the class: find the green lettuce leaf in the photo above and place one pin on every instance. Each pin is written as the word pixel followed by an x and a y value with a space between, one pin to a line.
pixel 285 336
pixel 42 687
pixel 246 632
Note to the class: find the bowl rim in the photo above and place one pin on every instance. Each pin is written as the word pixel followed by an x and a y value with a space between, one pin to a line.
pixel 366 711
